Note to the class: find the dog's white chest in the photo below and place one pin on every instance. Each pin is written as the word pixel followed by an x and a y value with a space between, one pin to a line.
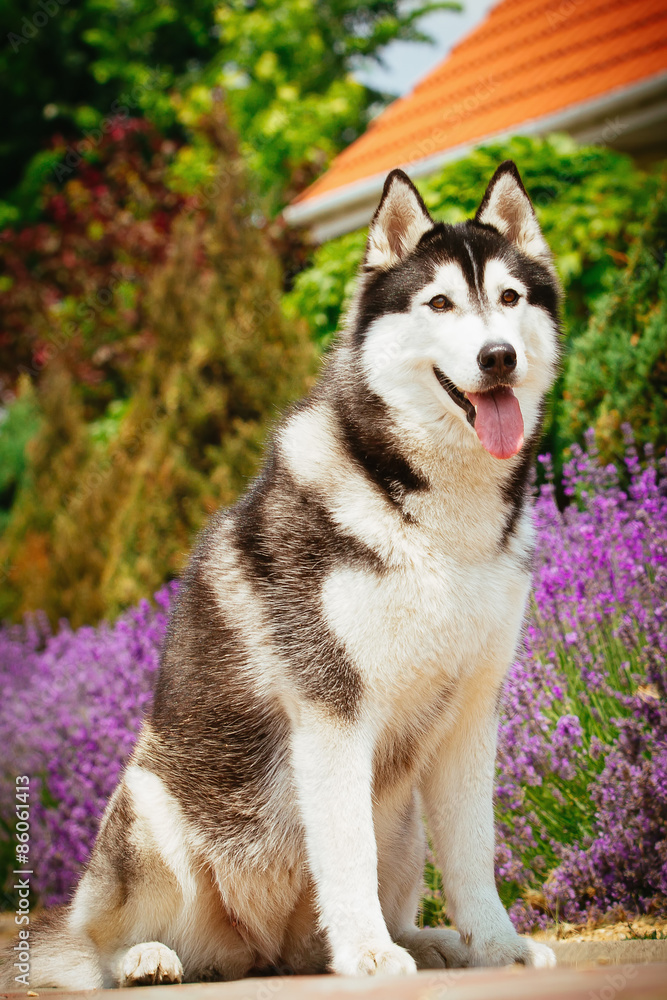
pixel 425 620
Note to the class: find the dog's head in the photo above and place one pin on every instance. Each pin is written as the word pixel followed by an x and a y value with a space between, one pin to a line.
pixel 457 326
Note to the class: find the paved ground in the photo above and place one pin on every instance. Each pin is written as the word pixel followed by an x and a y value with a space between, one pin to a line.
pixel 618 982
pixel 597 969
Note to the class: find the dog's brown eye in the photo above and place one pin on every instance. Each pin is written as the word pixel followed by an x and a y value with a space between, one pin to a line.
pixel 440 303
pixel 509 296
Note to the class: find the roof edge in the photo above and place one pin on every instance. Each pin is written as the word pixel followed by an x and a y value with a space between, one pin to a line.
pixel 350 202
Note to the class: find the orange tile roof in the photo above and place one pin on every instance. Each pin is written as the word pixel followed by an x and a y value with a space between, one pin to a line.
pixel 528 59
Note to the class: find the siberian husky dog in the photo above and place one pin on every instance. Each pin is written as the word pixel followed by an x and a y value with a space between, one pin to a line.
pixel 332 672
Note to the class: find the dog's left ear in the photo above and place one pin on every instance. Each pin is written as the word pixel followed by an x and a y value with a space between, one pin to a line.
pixel 507 208
pixel 399 223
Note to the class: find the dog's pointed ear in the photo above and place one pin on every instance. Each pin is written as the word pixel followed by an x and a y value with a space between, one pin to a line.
pixel 507 207
pixel 399 223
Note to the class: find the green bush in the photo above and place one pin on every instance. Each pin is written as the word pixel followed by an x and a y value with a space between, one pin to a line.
pixel 617 369
pixel 110 506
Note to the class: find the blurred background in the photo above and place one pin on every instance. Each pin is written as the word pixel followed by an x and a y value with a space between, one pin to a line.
pixel 184 188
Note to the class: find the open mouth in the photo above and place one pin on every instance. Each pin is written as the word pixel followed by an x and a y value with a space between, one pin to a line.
pixel 494 415
pixel 459 397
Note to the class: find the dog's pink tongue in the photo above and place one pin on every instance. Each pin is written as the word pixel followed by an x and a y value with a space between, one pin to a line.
pixel 498 422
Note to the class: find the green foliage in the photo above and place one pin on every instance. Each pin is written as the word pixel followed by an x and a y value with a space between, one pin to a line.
pixel 73 285
pixel 286 71
pixel 323 290
pixel 617 370
pixel 590 201
pixel 284 65
pixel 107 428
pixel 432 904
pixel 110 506
pixel 87 61
pixel 19 423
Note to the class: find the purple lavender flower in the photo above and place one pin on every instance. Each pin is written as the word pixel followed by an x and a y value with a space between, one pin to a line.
pixel 583 744
pixel 72 708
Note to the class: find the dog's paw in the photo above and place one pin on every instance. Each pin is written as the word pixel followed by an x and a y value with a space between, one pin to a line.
pixel 435 947
pixel 509 950
pixel 374 958
pixel 537 954
pixel 150 963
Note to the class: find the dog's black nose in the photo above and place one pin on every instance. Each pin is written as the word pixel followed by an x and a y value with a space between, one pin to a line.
pixel 497 359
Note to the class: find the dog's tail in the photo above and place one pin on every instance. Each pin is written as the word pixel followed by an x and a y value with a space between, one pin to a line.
pixel 48 953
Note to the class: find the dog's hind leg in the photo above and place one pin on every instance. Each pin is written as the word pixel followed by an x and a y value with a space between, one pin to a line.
pixel 127 900
pixel 147 900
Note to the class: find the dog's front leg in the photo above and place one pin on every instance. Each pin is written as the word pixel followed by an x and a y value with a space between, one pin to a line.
pixel 458 798
pixel 332 763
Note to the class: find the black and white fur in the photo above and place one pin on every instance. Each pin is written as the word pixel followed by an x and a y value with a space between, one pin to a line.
pixel 334 662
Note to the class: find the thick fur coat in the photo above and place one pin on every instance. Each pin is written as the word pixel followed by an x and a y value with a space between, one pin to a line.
pixel 334 662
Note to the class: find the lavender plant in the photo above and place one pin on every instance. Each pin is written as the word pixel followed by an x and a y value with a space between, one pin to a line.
pixel 581 796
pixel 71 710
pixel 581 793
